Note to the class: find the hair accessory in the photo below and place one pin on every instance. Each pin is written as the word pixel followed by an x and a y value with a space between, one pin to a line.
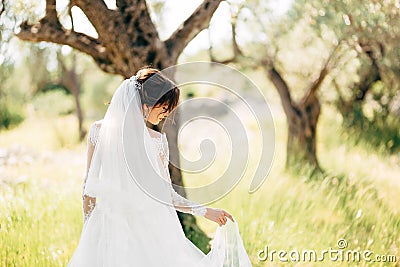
pixel 137 84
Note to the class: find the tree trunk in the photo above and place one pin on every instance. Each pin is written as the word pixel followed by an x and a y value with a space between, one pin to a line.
pixel 302 117
pixel 301 140
pixel 79 115
pixel 71 81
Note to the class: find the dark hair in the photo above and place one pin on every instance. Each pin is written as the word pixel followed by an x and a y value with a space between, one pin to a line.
pixel 157 89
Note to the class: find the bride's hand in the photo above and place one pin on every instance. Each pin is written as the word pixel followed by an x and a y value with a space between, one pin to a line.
pixel 217 215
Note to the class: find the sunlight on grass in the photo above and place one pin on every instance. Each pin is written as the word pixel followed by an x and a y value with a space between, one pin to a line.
pixel 40 204
pixel 43 133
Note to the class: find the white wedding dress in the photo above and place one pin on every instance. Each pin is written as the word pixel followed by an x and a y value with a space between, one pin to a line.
pixel 129 226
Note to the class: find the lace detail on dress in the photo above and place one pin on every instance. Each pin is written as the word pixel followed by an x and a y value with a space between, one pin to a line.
pixel 180 203
pixel 93 136
pixel 92 139
pixel 163 151
pixel 94 133
pixel 91 206
pixel 184 205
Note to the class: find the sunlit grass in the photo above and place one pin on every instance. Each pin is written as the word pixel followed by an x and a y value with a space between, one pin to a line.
pixel 292 212
pixel 43 133
pixel 40 208
pixel 37 223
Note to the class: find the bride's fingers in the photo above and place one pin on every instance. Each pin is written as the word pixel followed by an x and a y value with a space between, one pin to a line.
pixel 223 220
pixel 229 216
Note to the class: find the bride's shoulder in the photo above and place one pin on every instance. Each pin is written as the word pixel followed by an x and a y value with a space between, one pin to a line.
pixel 94 131
pixel 97 123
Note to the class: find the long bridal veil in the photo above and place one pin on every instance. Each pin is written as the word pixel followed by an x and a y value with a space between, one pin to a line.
pixel 134 222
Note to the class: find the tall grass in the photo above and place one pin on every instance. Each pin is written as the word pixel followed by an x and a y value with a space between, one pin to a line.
pixel 41 220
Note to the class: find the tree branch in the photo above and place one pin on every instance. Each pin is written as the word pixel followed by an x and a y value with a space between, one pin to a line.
pixel 46 32
pixel 70 16
pixel 236 49
pixel 3 7
pixel 198 21
pixel 316 84
pixel 92 9
pixel 128 33
pixel 51 13
pixel 281 86
pixel 341 100
pixel 122 4
pixel 61 64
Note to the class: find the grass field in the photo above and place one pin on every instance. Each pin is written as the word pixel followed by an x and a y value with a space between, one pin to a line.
pixel 41 171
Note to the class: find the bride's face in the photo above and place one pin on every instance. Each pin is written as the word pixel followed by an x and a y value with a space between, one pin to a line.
pixel 157 113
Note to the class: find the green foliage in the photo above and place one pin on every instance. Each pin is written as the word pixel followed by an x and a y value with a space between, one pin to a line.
pixel 375 122
pixel 51 87
pixel 381 133
pixel 10 115
pixel 370 19
pixel 98 89
pixel 11 108
pixel 53 102
pixel 194 233
pixel 368 83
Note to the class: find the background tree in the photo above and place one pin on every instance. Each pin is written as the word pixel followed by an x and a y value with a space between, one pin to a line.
pixel 71 80
pixel 127 40
pixel 63 76
pixel 302 110
pixel 372 31
pixel 344 33
pixel 11 113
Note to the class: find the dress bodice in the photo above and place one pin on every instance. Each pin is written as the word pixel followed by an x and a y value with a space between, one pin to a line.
pixel 160 139
pixel 161 142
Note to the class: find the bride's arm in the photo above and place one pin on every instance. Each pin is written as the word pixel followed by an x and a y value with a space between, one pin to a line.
pixel 184 205
pixel 88 203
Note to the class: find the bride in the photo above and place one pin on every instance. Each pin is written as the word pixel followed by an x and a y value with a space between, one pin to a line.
pixel 129 203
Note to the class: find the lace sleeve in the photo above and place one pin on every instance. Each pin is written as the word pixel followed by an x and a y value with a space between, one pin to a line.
pixel 88 203
pixel 94 133
pixel 91 142
pixel 180 203
pixel 184 205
